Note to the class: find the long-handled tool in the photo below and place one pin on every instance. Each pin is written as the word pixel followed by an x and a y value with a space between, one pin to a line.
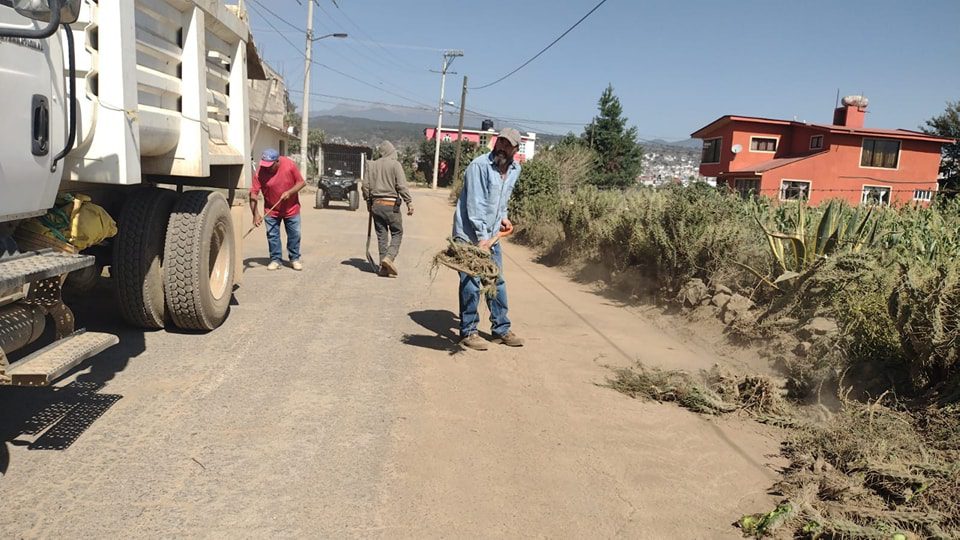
pixel 374 265
pixel 265 214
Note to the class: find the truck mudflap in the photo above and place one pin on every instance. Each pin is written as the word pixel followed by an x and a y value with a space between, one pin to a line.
pixel 22 322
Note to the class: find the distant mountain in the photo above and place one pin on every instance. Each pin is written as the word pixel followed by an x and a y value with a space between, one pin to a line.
pixel 686 143
pixel 367 131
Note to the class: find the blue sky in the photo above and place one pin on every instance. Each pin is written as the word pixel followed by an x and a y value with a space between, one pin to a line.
pixel 675 64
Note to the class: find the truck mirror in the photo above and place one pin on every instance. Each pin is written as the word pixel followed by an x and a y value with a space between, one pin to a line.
pixel 40 10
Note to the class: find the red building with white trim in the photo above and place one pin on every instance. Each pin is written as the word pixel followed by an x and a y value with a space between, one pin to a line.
pixel 789 160
pixel 487 138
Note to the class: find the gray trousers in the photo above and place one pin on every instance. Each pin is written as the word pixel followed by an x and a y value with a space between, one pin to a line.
pixel 389 225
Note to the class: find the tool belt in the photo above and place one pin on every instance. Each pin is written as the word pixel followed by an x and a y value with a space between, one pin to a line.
pixel 387 202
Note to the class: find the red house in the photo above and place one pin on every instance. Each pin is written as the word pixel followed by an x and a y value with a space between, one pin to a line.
pixel 790 160
pixel 486 137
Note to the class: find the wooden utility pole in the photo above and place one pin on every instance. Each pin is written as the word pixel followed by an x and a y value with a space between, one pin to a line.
pixel 463 107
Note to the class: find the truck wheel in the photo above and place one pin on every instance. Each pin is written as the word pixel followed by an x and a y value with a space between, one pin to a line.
pixel 354 198
pixel 200 252
pixel 138 256
pixel 322 200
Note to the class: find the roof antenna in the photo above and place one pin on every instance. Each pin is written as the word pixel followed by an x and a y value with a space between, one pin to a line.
pixel 838 98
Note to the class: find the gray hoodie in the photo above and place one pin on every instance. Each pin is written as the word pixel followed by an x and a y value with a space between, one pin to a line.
pixel 384 177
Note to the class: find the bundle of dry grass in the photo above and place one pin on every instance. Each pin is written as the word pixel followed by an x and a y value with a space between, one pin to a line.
pixel 870 472
pixel 472 260
pixel 710 392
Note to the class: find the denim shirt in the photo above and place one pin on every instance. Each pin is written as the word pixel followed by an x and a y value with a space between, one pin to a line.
pixel 483 201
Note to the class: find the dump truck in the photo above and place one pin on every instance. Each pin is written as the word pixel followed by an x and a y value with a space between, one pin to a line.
pixel 140 107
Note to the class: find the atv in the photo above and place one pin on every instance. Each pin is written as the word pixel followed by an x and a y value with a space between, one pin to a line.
pixel 338 187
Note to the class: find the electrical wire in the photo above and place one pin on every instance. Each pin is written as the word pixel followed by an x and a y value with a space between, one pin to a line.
pixel 543 50
pixel 325 66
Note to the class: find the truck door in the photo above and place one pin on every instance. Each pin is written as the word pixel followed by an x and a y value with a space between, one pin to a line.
pixel 34 120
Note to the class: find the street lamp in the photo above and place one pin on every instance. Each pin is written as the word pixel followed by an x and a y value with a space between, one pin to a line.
pixel 305 118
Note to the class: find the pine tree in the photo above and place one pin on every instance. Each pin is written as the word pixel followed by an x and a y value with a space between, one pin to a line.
pixel 618 154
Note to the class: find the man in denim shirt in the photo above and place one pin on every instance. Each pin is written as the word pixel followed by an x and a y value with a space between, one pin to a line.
pixel 480 216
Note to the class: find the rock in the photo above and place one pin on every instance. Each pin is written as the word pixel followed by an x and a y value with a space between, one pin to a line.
pixel 818 326
pixel 738 307
pixel 723 289
pixel 694 292
pixel 803 348
pixel 720 300
pixel 785 322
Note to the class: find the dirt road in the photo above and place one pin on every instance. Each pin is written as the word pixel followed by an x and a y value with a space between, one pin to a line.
pixel 333 403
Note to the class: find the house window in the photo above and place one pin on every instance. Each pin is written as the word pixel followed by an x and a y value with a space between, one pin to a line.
pixel 711 151
pixel 875 195
pixel 763 144
pixel 816 142
pixel 794 190
pixel 484 140
pixel 883 153
pixel 924 195
pixel 283 148
pixel 747 187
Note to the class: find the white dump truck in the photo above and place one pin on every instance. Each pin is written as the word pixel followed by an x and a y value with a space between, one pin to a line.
pixel 141 106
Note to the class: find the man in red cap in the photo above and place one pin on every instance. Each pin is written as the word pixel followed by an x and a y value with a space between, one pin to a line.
pixel 280 181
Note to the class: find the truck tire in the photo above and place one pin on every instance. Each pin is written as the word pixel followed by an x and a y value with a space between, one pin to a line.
pixel 354 198
pixel 138 256
pixel 322 201
pixel 200 254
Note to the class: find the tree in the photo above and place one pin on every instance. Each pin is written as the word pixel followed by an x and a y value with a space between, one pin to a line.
pixel 619 156
pixel 448 154
pixel 314 141
pixel 948 125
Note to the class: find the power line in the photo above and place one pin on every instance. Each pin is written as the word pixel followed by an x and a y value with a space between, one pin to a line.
pixel 325 66
pixel 363 33
pixel 545 49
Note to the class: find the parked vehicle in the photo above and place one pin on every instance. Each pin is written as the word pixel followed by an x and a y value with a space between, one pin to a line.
pixel 342 169
pixel 141 106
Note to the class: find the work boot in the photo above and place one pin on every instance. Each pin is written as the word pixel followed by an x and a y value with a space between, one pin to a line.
pixel 475 342
pixel 509 339
pixel 297 265
pixel 274 265
pixel 383 272
pixel 388 264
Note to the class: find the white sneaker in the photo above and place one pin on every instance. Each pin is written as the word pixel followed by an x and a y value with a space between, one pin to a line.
pixel 297 265
pixel 274 265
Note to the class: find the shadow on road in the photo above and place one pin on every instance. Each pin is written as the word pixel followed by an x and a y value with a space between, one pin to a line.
pixel 443 326
pixel 53 418
pixel 360 264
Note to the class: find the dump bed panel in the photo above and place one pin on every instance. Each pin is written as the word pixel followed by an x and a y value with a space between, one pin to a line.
pixel 162 86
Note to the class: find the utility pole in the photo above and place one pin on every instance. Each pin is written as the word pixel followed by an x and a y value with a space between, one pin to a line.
pixel 463 107
pixel 448 58
pixel 305 112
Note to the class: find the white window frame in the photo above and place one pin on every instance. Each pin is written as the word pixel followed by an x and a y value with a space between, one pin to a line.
pixel 899 153
pixel 719 154
pixel 812 147
pixel 928 192
pixel 809 184
pixel 774 137
pixel 863 193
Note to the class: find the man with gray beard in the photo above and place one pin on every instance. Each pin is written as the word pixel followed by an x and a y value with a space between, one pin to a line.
pixel 480 216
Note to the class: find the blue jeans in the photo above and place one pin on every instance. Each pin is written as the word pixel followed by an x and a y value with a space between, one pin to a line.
pixel 292 224
pixel 470 300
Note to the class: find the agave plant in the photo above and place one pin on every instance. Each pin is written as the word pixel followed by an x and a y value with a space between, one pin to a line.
pixel 817 235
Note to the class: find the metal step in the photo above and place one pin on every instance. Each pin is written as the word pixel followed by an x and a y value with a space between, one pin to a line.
pixel 19 270
pixel 48 364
